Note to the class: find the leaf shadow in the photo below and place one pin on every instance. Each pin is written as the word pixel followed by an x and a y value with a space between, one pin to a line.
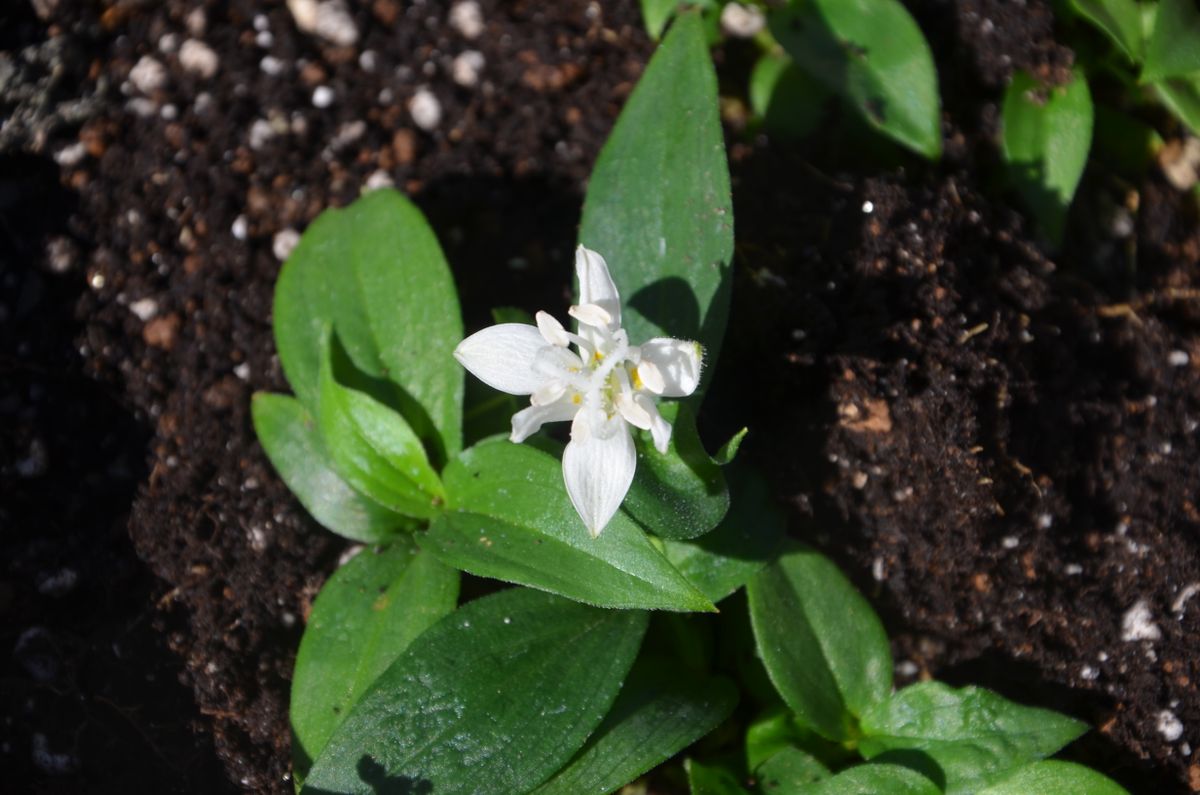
pixel 374 776
pixel 390 394
pixel 669 303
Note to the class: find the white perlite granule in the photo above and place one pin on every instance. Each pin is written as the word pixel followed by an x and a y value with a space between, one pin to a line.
pixel 1138 623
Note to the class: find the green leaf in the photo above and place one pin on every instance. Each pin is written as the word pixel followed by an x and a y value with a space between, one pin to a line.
pixel 1047 134
pixel 872 54
pixel 974 735
pixel 1173 50
pixel 662 709
pixel 658 206
pixel 682 493
pixel 375 271
pixel 492 699
pixel 874 779
pixel 371 446
pixel 1121 20
pixel 785 97
pixel 725 559
pixel 789 771
pixel 1182 96
pixel 728 451
pixel 369 611
pixel 510 518
pixel 655 14
pixel 822 644
pixel 289 437
pixel 712 779
pixel 1058 778
pixel 1123 143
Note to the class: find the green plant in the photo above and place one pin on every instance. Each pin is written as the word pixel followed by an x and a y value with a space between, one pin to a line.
pixel 603 665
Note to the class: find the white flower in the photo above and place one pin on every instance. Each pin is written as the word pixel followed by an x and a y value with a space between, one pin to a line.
pixel 603 385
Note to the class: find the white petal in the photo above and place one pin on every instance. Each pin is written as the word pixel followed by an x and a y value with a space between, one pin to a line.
pixel 553 362
pixel 547 393
pixel 660 429
pixel 591 315
pixel 678 361
pixel 526 422
pixel 595 284
pixel 650 376
pixel 502 357
pixel 598 473
pixel 633 412
pixel 552 331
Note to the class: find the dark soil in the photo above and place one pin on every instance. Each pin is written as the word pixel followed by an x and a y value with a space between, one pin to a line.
pixel 999 447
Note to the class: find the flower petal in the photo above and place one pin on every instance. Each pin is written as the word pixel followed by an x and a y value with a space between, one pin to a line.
pixel 678 361
pixel 551 330
pixel 526 422
pixel 595 284
pixel 634 411
pixel 502 357
pixel 660 429
pixel 598 472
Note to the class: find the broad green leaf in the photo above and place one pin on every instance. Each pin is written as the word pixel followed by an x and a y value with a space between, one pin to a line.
pixel 872 54
pixel 494 698
pixel 788 100
pixel 369 611
pixel 661 711
pixel 375 271
pixel 1121 20
pixel 682 493
pixel 712 779
pixel 777 730
pixel 509 517
pixel 289 437
pixel 974 735
pixel 1174 46
pixel 741 545
pixel 658 206
pixel 822 644
pixel 789 771
pixel 1182 96
pixel 1047 134
pixel 1056 778
pixel 874 779
pixel 655 14
pixel 372 447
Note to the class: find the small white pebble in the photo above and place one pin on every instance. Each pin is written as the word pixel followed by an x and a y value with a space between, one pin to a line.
pixel 145 309
pixel 877 570
pixel 198 58
pixel 140 106
pixel 258 539
pixel 261 22
pixel 1089 673
pixel 349 554
pixel 1010 542
pixel 425 109
pixel 1102 656
pixel 368 61
pixel 868 207
pixel 196 22
pixel 322 96
pixel 71 155
pixel 348 133
pixel 1169 726
pixel 742 22
pixel 148 75
pixel 271 65
pixel 329 20
pixel 240 228
pixel 242 371
pixel 1138 623
pixel 265 39
pixel 467 18
pixel 168 44
pixel 1072 569
pixel 907 668
pixel 60 583
pixel 378 179
pixel 284 243
pixel 49 762
pixel 261 132
pixel 1044 521
pixel 466 68
pixel 1178 358
pixel 1184 596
